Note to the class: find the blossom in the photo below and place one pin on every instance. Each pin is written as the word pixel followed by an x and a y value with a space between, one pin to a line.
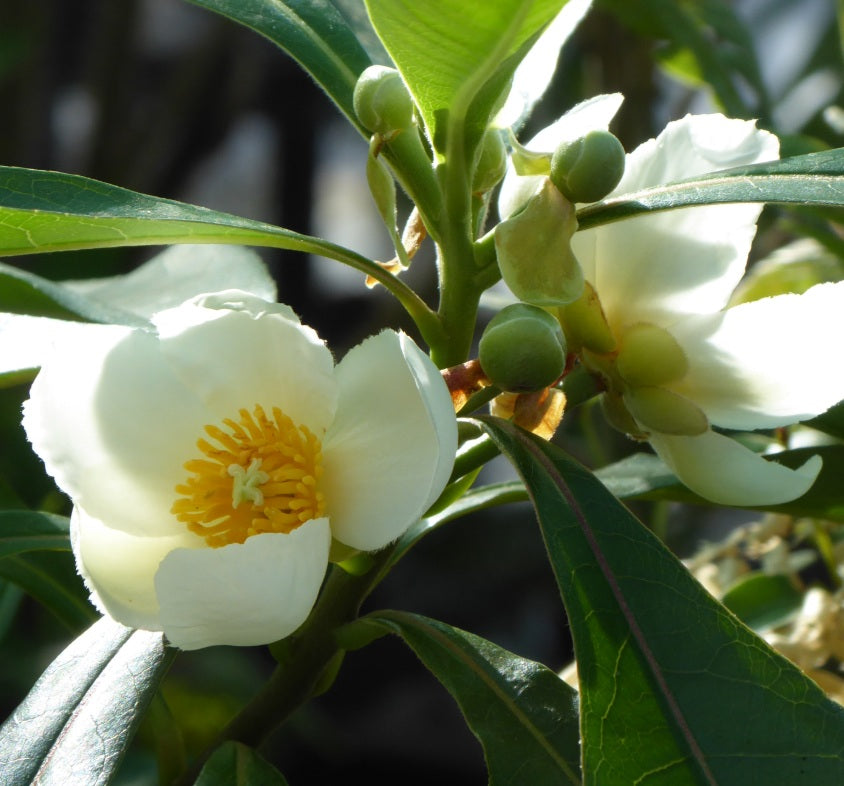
pixel 676 361
pixel 212 459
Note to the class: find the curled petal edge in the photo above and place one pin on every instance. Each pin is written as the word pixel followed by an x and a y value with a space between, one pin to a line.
pixel 725 472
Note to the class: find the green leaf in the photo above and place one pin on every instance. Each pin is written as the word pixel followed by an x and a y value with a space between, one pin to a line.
pixel 22 292
pixel 30 530
pixel 812 179
pixel 52 211
pixel 77 720
pixel 524 715
pixel 235 764
pixel 761 600
pixel 674 689
pixel 457 57
pixel 312 32
pixel 50 578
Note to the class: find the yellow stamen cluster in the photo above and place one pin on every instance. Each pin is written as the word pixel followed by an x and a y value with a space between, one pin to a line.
pixel 262 475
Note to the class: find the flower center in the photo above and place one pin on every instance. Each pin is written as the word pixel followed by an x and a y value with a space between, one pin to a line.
pixel 260 474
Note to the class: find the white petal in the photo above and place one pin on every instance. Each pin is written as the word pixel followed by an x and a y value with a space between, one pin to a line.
pixel 179 273
pixel 723 471
pixel 25 341
pixel 534 73
pixel 235 351
pixel 391 448
pixel 243 594
pixel 119 568
pixel 114 426
pixel 766 363
pixel 687 261
pixel 590 115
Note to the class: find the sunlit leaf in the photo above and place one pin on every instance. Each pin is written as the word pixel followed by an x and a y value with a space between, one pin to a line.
pixel 524 715
pixel 51 211
pixel 674 689
pixel 77 720
pixel 457 57
pixel 812 179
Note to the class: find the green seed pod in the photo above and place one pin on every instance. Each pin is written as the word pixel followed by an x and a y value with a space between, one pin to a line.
pixel 492 162
pixel 381 100
pixel 588 168
pixel 522 349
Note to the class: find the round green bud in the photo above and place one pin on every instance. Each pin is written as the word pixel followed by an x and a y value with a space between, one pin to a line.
pixel 588 168
pixel 492 162
pixel 522 349
pixel 381 100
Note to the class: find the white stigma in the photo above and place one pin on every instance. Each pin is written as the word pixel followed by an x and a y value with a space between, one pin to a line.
pixel 246 483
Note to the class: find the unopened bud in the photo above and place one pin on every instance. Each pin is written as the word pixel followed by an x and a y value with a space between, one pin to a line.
pixel 382 102
pixel 522 349
pixel 534 251
pixel 588 168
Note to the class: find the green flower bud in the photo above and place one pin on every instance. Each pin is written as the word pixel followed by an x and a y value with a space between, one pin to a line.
pixel 534 252
pixel 522 349
pixel 588 168
pixel 381 101
pixel 492 162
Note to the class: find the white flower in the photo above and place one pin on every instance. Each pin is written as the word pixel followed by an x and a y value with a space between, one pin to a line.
pixel 211 462
pixel 678 361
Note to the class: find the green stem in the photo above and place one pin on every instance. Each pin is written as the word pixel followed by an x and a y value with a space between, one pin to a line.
pixel 414 170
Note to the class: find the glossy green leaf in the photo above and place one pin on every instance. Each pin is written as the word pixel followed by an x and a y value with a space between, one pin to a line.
pixel 812 179
pixel 313 32
pixel 235 764
pixel 457 57
pixel 30 530
pixel 75 724
pixel 51 578
pixel 673 688
pixel 524 715
pixel 51 211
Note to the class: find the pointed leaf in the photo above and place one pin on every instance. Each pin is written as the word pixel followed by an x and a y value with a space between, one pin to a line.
pixel 313 32
pixel 674 689
pixel 812 179
pixel 235 764
pixel 524 715
pixel 77 720
pixel 52 211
